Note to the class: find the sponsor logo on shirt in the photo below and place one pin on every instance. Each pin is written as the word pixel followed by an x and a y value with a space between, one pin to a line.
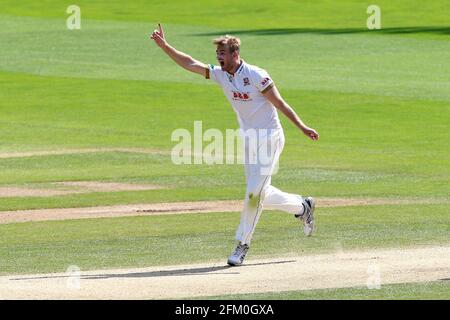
pixel 265 81
pixel 246 82
pixel 243 96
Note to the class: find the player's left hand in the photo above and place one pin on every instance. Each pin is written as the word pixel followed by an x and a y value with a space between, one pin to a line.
pixel 311 133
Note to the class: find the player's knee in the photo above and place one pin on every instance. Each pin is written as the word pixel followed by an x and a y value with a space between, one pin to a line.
pixel 253 199
pixel 255 191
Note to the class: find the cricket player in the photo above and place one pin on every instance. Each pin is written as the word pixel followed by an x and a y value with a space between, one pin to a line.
pixel 255 99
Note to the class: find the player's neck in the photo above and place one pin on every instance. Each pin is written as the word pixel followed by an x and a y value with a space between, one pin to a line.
pixel 236 67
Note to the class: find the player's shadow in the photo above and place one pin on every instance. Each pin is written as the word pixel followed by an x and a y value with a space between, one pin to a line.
pixel 441 30
pixel 179 272
pixel 162 273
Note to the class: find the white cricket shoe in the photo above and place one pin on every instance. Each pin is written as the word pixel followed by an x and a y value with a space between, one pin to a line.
pixel 307 217
pixel 238 256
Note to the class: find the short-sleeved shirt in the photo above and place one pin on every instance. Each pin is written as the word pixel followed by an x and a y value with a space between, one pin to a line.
pixel 245 91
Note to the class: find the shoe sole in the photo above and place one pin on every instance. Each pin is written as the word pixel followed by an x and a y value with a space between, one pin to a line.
pixel 232 264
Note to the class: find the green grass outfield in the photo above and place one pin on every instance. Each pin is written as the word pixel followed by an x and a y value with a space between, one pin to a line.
pixel 379 99
pixel 194 238
pixel 412 291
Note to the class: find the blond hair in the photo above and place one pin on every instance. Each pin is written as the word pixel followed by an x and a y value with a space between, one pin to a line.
pixel 231 42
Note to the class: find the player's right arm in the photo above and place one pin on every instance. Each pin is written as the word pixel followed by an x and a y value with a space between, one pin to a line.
pixel 182 59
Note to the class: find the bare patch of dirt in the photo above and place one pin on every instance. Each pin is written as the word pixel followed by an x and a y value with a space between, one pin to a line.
pixel 7 192
pixel 73 187
pixel 346 202
pixel 339 270
pixel 98 186
pixel 169 208
pixel 118 211
pixel 6 155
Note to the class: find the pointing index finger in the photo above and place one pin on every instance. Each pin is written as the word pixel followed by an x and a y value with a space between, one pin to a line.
pixel 160 28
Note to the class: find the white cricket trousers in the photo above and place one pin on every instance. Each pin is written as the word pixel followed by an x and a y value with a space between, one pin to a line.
pixel 261 161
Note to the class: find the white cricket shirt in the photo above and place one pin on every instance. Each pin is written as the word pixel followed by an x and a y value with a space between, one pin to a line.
pixel 245 91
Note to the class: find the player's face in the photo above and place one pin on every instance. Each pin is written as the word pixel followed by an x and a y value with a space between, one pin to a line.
pixel 225 58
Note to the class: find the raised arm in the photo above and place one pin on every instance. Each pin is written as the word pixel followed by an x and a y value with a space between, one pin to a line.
pixel 275 98
pixel 182 59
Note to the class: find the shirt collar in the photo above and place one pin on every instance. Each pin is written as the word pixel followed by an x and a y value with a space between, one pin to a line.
pixel 241 67
pixel 239 70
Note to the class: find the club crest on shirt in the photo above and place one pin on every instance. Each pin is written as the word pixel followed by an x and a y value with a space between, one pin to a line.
pixel 243 96
pixel 246 82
